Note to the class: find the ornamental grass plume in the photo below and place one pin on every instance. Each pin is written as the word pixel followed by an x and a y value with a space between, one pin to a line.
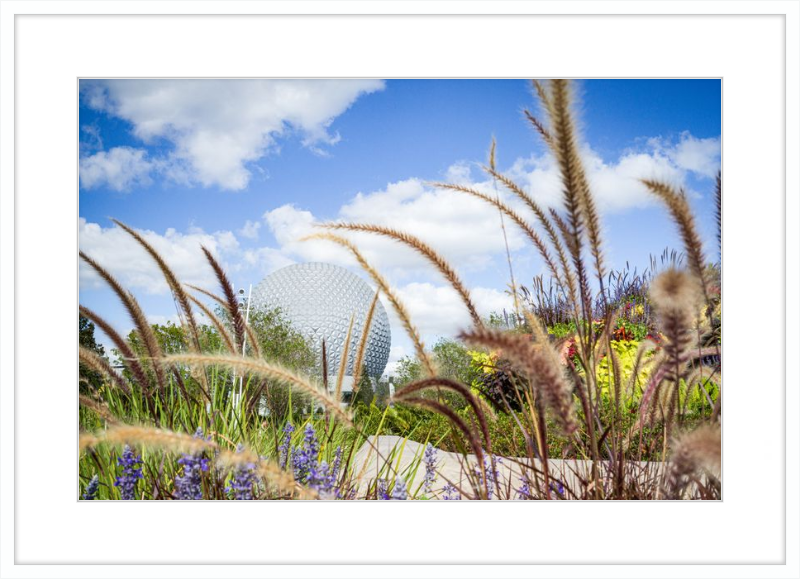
pixel 139 319
pixel 694 452
pixel 426 251
pixel 358 365
pixel 153 438
pixel 266 370
pixel 391 295
pixel 131 473
pixel 177 290
pixel 675 294
pixel 542 365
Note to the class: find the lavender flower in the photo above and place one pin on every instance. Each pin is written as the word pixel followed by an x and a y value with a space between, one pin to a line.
pixel 430 467
pixel 306 457
pixel 524 492
pixel 382 490
pixel 189 487
pixel 450 493
pixel 337 463
pixel 91 489
pixel 284 448
pixel 491 471
pixel 399 492
pixel 243 480
pixel 131 473
pixel 558 489
pixel 321 480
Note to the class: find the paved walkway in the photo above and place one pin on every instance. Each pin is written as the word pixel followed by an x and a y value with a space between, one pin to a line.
pixel 405 458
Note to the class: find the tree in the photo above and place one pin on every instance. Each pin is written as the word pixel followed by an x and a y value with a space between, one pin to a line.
pixel 365 393
pixel 382 392
pixel 454 361
pixel 87 340
pixel 451 358
pixel 280 342
pixel 408 370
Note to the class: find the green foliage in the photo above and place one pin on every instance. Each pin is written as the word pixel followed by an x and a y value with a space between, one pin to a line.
pixel 562 330
pixel 452 359
pixel 280 342
pixel 365 394
pixel 87 340
pixel 408 370
pixel 382 392
pixel 627 330
pixel 626 354
pixel 455 361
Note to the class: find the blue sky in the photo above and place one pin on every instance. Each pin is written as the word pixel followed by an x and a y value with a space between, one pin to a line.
pixel 247 167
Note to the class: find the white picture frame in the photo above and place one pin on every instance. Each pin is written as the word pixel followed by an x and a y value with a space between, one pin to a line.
pixel 45 46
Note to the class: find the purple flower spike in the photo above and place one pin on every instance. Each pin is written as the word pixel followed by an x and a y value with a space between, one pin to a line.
pixel 285 446
pixel 306 457
pixel 189 487
pixel 399 492
pixel 131 473
pixel 430 467
pixel 337 463
pixel 491 472
pixel 243 480
pixel 383 490
pixel 91 489
pixel 451 493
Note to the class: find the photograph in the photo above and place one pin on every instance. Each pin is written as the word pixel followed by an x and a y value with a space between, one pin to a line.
pixel 402 289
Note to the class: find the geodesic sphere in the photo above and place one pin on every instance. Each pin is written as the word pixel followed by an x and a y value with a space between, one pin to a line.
pixel 318 299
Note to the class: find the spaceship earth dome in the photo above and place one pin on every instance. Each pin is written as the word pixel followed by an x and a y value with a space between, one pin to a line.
pixel 319 299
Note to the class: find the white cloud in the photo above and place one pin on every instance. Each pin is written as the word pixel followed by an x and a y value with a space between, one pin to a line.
pixel 217 127
pixel 250 229
pixel 119 168
pixel 92 141
pixel 465 230
pixel 265 260
pixel 289 225
pixel 459 227
pixel 615 185
pixel 436 310
pixel 459 173
pixel 396 353
pixel 163 320
pixel 491 300
pixel 701 156
pixel 128 261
